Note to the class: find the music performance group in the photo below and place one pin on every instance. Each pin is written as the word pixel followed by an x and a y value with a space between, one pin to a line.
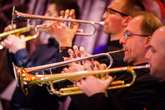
pixel 127 75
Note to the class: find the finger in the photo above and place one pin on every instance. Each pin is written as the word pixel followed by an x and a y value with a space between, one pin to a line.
pixel 82 51
pixel 70 52
pixel 66 70
pixel 7 28
pixel 66 58
pixel 53 27
pixel 2 43
pixel 96 65
pixel 14 26
pixel 66 13
pixel 88 65
pixel 62 14
pixel 108 80
pixel 10 27
pixel 62 72
pixel 75 48
pixel 22 37
pixel 103 66
pixel 72 13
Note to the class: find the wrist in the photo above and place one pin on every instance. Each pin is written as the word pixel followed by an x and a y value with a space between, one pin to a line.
pixel 65 44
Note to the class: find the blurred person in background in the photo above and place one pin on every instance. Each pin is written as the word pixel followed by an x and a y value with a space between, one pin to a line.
pixel 39 97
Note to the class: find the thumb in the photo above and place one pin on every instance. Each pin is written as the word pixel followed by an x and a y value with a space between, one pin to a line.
pixel 108 80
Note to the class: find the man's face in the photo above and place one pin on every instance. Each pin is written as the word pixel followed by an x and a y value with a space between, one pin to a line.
pixel 113 20
pixel 134 45
pixel 156 54
pixel 51 11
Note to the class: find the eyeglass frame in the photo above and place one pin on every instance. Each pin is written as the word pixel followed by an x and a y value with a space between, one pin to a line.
pixel 110 9
pixel 127 34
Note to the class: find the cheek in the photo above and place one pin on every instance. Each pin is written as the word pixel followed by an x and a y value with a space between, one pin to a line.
pixel 114 20
pixel 158 62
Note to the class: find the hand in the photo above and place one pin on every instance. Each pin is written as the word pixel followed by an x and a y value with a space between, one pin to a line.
pixel 88 66
pixel 74 68
pixel 63 34
pixel 92 85
pixel 14 43
pixel 10 27
pixel 77 53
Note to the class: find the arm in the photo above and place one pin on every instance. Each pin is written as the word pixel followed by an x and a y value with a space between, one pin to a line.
pixel 17 46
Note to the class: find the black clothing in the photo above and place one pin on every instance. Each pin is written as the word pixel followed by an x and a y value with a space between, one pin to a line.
pixel 158 101
pixel 38 98
pixel 134 97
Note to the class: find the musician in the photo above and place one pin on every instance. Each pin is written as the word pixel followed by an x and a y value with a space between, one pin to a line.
pixel 116 19
pixel 156 55
pixel 136 42
pixel 39 97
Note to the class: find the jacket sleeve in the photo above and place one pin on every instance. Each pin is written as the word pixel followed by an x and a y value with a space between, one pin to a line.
pixel 21 57
pixel 101 102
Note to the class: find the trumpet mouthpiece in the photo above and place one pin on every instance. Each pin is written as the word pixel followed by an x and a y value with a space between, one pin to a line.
pixel 102 23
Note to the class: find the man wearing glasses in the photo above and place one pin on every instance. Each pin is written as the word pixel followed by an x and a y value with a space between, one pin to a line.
pixel 136 42
pixel 116 19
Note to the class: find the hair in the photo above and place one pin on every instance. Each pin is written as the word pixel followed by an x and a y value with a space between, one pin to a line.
pixel 132 6
pixel 149 23
pixel 66 4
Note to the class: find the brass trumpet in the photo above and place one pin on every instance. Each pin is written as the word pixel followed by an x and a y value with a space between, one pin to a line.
pixel 28 79
pixel 17 32
pixel 22 16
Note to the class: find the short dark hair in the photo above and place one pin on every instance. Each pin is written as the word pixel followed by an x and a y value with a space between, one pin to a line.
pixel 149 23
pixel 132 6
pixel 66 4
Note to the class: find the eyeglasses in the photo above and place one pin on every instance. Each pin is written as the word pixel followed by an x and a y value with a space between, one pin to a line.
pixel 110 10
pixel 126 35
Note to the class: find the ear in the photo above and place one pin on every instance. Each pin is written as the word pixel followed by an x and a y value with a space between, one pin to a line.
pixel 126 20
pixel 147 42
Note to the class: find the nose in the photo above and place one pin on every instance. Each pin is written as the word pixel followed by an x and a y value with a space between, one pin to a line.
pixel 148 54
pixel 122 40
pixel 104 15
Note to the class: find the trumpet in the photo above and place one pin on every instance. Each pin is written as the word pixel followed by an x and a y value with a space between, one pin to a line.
pixel 19 72
pixel 16 15
pixel 63 63
pixel 17 32
pixel 28 80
